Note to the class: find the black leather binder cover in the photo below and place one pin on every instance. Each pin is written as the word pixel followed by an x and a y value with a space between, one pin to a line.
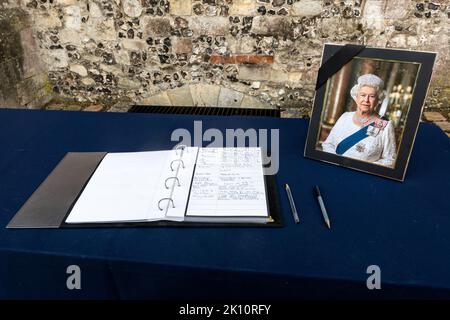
pixel 48 205
pixel 52 201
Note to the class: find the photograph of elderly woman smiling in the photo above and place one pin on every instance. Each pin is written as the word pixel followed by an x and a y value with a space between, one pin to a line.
pixel 365 110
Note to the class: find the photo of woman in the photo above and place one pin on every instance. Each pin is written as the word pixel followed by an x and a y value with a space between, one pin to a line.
pixel 367 107
pixel 365 110
pixel 363 134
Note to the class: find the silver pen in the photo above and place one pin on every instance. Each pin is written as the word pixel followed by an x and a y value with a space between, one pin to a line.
pixel 322 206
pixel 291 202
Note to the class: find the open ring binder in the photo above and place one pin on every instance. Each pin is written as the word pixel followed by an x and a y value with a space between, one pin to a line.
pixel 168 199
pixel 182 164
pixel 165 182
pixel 81 202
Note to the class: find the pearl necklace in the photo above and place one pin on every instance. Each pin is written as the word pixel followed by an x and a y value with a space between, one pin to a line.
pixel 362 121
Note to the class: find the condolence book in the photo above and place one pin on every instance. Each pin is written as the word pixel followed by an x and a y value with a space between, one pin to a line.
pixel 186 186
pixel 189 184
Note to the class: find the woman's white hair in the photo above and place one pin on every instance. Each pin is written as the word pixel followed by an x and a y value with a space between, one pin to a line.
pixel 369 80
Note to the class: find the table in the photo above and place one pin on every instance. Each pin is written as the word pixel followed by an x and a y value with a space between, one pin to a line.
pixel 402 227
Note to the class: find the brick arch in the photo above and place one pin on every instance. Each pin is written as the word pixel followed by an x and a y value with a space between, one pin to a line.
pixel 204 95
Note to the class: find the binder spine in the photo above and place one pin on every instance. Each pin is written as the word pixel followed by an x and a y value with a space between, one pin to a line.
pixel 175 166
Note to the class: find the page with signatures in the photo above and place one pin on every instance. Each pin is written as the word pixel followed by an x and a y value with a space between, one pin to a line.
pixel 227 183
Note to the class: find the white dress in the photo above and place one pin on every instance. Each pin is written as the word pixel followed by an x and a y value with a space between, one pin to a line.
pixel 379 147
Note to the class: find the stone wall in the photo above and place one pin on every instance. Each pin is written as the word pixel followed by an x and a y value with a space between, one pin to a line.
pixel 244 52
pixel 23 80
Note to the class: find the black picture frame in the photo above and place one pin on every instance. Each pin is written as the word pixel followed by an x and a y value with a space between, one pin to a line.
pixel 334 55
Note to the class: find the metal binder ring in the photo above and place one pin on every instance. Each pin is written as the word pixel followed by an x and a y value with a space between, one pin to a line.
pixel 180 147
pixel 169 199
pixel 165 182
pixel 182 164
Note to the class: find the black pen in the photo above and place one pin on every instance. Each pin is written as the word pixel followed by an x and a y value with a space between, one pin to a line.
pixel 322 206
pixel 291 202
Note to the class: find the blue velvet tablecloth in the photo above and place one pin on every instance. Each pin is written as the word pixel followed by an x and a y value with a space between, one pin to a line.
pixel 402 227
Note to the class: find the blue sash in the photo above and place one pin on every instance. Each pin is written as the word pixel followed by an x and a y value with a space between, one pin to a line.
pixel 351 140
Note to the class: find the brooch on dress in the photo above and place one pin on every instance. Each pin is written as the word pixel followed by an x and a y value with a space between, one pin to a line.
pixel 373 131
pixel 360 147
pixel 378 125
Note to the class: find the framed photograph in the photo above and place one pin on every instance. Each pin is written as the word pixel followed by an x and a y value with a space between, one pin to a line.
pixel 367 111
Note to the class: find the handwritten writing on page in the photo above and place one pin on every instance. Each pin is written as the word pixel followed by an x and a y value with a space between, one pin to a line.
pixel 228 182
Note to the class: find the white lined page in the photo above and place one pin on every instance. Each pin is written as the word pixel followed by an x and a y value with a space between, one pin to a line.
pixel 228 182
pixel 127 187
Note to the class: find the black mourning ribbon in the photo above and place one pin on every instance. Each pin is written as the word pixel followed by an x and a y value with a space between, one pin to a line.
pixel 336 62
